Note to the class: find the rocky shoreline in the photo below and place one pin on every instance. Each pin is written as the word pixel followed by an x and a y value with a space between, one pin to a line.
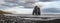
pixel 15 19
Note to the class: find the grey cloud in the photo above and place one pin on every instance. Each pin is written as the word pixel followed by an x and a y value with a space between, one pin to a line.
pixel 45 0
pixel 48 0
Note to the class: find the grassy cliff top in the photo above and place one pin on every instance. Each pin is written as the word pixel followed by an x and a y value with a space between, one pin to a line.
pixel 2 12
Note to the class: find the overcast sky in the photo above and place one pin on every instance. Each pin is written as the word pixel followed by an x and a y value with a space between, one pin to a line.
pixel 46 5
